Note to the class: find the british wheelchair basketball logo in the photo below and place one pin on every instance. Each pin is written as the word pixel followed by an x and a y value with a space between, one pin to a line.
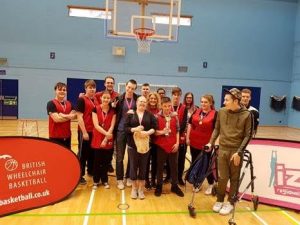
pixel 10 164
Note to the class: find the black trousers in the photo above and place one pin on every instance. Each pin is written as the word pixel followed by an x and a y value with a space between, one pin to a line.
pixel 172 158
pixel 101 164
pixel 85 154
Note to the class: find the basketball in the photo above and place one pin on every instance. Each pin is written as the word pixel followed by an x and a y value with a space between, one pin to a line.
pixel 11 164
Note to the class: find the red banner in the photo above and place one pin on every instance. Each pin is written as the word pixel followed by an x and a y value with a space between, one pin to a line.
pixel 34 173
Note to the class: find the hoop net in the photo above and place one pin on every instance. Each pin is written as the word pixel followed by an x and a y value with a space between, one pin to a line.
pixel 143 39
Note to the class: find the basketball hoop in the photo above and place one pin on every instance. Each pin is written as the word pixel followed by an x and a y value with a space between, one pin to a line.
pixel 143 39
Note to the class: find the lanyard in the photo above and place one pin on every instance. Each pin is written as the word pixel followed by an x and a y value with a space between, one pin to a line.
pixel 129 105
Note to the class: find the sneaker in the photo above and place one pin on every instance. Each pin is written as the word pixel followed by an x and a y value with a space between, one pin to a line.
pixel 95 186
pixel 158 190
pixel 217 206
pixel 120 184
pixel 141 195
pixel 134 193
pixel 208 191
pixel 82 181
pixel 106 185
pixel 226 209
pixel 175 189
pixel 128 182
pixel 111 169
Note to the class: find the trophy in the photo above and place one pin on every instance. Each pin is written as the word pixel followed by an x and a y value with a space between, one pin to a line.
pixel 168 119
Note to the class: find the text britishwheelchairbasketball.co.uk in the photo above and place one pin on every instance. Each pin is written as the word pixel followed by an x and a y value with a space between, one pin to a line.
pixel 24 197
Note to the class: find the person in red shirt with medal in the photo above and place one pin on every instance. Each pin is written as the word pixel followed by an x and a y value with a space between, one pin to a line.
pixel 85 106
pixel 167 141
pixel 104 119
pixel 60 113
pixel 199 131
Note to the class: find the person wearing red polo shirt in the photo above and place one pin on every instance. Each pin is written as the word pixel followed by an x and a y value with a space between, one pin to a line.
pixel 167 141
pixel 199 131
pixel 60 113
pixel 85 106
pixel 104 119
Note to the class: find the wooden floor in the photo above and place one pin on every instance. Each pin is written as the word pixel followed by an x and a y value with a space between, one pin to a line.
pixel 108 205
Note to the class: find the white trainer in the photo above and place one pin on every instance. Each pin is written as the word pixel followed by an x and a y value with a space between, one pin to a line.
pixel 208 190
pixel 106 185
pixel 95 186
pixel 128 182
pixel 141 195
pixel 120 184
pixel 134 193
pixel 226 209
pixel 217 206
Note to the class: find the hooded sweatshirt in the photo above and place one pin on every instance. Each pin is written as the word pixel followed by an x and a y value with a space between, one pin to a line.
pixel 234 128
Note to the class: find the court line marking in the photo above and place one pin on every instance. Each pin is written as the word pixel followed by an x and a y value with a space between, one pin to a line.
pixel 257 216
pixel 88 210
pixel 292 219
pixel 131 213
pixel 123 201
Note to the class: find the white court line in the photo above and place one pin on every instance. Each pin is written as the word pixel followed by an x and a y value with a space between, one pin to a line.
pixel 257 216
pixel 123 201
pixel 88 210
pixel 290 217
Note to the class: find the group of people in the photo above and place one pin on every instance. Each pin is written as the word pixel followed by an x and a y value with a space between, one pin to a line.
pixel 156 131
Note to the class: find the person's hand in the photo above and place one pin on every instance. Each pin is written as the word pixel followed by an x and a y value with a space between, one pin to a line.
pixel 114 103
pixel 175 147
pixel 85 136
pixel 108 136
pixel 208 147
pixel 236 159
pixel 166 131
pixel 103 143
pixel 139 128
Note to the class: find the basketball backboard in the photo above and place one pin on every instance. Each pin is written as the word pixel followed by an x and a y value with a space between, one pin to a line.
pixel 162 16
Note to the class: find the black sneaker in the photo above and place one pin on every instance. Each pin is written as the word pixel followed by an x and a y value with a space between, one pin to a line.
pixel 180 182
pixel 158 190
pixel 82 181
pixel 175 189
pixel 111 169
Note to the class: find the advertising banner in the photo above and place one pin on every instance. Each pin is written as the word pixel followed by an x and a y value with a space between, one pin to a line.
pixel 277 170
pixel 34 173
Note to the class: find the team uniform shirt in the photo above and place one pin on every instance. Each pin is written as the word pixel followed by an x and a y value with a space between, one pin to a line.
pixel 59 130
pixel 166 142
pixel 104 120
pixel 86 105
pixel 202 126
